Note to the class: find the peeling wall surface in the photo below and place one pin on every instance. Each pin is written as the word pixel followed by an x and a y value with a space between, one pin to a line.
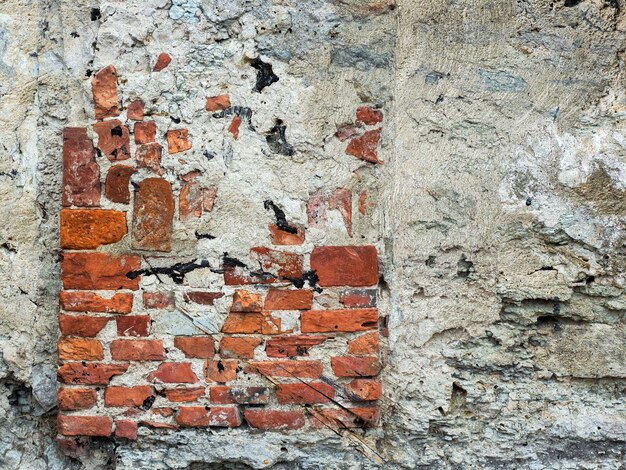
pixel 493 191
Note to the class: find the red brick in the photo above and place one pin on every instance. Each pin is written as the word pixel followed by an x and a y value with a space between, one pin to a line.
pixel 345 418
pixel 81 325
pixel 316 209
pixel 113 139
pixel 282 237
pixel 345 265
pixel 157 425
pixel 89 373
pixel 145 132
pixel 163 300
pixel 223 395
pixel 221 370
pixel 289 299
pixel 190 200
pixel 363 202
pixel 202 416
pixel 242 347
pixel 83 229
pixel 91 302
pixel 358 298
pixel 368 116
pixel 300 369
pixel 165 412
pixel 251 323
pixel 153 215
pixel 126 429
pixel 309 393
pixel 81 172
pixel 116 186
pixel 292 346
pixel 355 366
pixel 127 396
pixel 135 325
pixel 179 395
pixel 98 271
pixel 178 141
pixel 209 195
pixel 174 372
pixel 341 200
pixel 283 264
pixel 84 425
pixel 365 147
pixel 137 350
pixel 149 156
pixel 246 302
pixel 364 390
pixel 202 298
pixel 135 110
pixel 80 349
pixel 162 61
pixel 104 89
pixel 76 398
pixel 217 103
pixel 274 420
pixel 346 320
pixel 234 127
pixel 369 343
pixel 199 347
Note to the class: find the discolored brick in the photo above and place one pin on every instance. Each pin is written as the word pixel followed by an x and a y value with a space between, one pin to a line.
pixel 116 185
pixel 81 172
pixel 153 215
pixel 83 229
pixel 104 89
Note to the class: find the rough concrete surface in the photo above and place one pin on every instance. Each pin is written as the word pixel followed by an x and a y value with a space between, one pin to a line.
pixel 499 210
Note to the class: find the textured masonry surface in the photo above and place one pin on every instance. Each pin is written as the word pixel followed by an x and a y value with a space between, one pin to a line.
pixel 287 340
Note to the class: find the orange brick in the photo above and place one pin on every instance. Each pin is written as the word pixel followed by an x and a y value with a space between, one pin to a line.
pixel 115 396
pixel 137 350
pixel 345 265
pixel 348 320
pixel 274 420
pixel 217 103
pixel 292 346
pixel 368 343
pixel 104 88
pixel 174 372
pixel 99 271
pixel 283 237
pixel 246 302
pixel 178 141
pixel 223 395
pixel 90 302
pixel 84 425
pixel 83 229
pixel 184 394
pixel 201 347
pixel 81 325
pixel 145 132
pixel 134 325
pixel 301 369
pixel 242 347
pixel 78 349
pixel 76 398
pixel 224 370
pixel 289 299
pixel 77 373
pixel 364 390
pixel 355 366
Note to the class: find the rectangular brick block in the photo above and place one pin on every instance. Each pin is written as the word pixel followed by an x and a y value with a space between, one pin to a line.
pixel 84 425
pixel 83 229
pixel 137 350
pixel 81 172
pixel 174 372
pixel 153 215
pixel 115 396
pixel 76 398
pixel 353 266
pixel 161 300
pixel 274 420
pixel 223 395
pixel 89 373
pixel 250 323
pixel 292 346
pixel 309 393
pixel 126 429
pixel 134 325
pixel 289 299
pixel 204 416
pixel 355 366
pixel 180 395
pixel 286 368
pixel 346 321
pixel 81 325
pixel 80 349
pixel 199 347
pixel 91 302
pixel 99 271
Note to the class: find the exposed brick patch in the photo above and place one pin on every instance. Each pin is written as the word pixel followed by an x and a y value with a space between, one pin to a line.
pixel 281 355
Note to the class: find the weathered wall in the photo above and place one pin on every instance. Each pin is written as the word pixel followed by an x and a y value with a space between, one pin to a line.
pixel 499 211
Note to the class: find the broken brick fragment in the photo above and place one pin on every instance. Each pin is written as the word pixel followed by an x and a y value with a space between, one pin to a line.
pixel 117 396
pixel 345 265
pixel 365 147
pixel 173 372
pixel 98 271
pixel 190 200
pixel 163 60
pixel 81 325
pixel 149 156
pixel 344 321
pixel 81 172
pixel 221 370
pixel 341 200
pixel 234 127
pixel 145 132
pixel 76 398
pixel 217 103
pixel 246 302
pixel 239 347
pixel 91 302
pixel 274 420
pixel 368 116
pixel 78 373
pixel 282 237
pixel 104 89
pixel 368 343
pixel 116 186
pixel 153 215
pixel 278 299
pixel 178 141
pixel 164 300
pixel 199 347
pixel 364 390
pixel 135 110
pixel 355 366
pixel 113 139
pixel 126 429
